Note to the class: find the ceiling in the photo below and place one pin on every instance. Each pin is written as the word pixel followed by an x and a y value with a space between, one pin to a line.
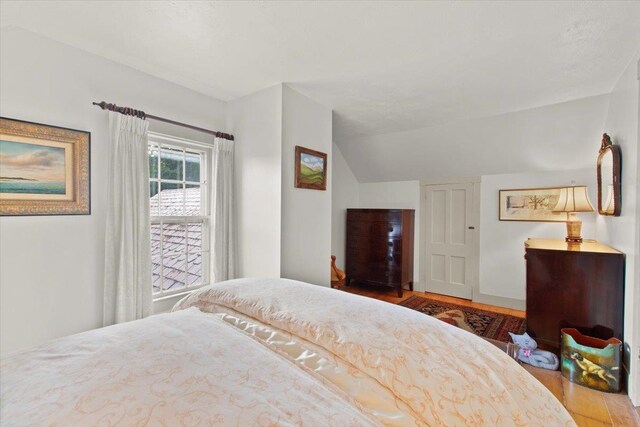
pixel 381 66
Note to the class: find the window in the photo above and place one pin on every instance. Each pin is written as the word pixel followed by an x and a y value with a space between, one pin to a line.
pixel 179 214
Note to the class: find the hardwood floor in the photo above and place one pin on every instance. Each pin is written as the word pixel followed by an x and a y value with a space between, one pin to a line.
pixel 390 296
pixel 589 408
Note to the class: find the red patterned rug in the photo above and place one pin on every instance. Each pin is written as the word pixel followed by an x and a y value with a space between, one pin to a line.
pixel 485 323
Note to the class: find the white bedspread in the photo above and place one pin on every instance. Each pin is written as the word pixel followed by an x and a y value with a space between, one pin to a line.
pixel 274 352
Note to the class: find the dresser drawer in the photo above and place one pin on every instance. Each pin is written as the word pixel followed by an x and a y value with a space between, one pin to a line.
pixel 365 243
pixel 368 216
pixel 378 230
pixel 358 228
pixel 386 258
pixel 386 245
pixel 354 255
pixel 387 276
pixel 358 271
pixel 387 229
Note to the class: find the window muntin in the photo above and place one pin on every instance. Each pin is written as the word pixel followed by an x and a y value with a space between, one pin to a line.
pixel 179 215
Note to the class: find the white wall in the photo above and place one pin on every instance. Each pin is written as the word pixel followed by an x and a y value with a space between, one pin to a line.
pixel 622 232
pixel 396 195
pixel 51 267
pixel 502 278
pixel 282 231
pixel 528 148
pixel 306 214
pixel 502 266
pixel 550 138
pixel 634 333
pixel 344 195
pixel 256 122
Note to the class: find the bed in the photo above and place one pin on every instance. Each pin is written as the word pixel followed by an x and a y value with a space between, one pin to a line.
pixel 262 352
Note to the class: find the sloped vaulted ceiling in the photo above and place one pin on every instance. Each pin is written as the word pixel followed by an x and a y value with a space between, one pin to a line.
pixel 382 66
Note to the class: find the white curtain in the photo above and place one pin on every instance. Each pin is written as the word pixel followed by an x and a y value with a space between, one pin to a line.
pixel 223 212
pixel 127 277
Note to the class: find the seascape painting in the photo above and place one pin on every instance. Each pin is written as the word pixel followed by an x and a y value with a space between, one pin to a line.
pixel 531 204
pixel 31 168
pixel 311 169
pixel 44 170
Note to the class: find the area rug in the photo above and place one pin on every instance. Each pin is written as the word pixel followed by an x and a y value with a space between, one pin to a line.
pixel 487 324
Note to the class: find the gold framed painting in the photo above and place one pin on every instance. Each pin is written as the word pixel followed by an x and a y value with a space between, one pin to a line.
pixel 44 170
pixel 310 169
pixel 530 204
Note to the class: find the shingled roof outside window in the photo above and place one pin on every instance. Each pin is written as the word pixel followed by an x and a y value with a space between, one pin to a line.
pixel 179 249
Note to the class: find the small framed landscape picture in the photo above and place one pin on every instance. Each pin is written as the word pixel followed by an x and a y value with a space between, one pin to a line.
pixel 311 169
pixel 44 170
pixel 530 204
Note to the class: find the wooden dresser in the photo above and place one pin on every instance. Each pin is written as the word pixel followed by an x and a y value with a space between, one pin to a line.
pixel 380 247
pixel 578 286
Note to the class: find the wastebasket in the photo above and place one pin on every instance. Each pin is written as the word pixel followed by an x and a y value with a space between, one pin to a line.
pixel 591 362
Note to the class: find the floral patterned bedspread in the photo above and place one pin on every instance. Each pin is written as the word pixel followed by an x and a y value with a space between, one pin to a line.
pixel 446 376
pixel 178 369
pixel 254 352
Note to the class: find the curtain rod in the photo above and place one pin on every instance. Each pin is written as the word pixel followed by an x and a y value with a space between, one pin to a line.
pixel 141 114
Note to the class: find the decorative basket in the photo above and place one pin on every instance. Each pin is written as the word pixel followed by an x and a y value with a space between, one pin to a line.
pixel 591 362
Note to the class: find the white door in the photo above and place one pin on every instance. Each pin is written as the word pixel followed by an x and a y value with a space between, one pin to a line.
pixel 449 239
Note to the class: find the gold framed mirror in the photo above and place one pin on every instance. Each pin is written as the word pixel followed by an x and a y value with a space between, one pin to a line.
pixel 609 175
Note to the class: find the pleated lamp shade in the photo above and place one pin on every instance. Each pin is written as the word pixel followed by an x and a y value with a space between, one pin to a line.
pixel 574 199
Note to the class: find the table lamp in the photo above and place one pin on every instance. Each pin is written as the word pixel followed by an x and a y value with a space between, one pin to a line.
pixel 571 201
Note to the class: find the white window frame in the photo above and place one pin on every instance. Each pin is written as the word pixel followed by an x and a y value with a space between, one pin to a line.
pixel 165 141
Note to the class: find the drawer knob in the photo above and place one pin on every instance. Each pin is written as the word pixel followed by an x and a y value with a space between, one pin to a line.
pixel 390 229
pixel 390 243
pixel 389 258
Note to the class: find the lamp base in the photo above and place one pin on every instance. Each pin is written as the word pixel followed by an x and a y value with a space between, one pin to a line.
pixel 574 227
pixel 573 240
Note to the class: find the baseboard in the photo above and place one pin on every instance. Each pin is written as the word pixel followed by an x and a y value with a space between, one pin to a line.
pixel 417 286
pixel 513 303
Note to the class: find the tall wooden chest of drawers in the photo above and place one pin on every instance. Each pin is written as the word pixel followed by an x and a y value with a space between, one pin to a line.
pixel 380 247
pixel 573 286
